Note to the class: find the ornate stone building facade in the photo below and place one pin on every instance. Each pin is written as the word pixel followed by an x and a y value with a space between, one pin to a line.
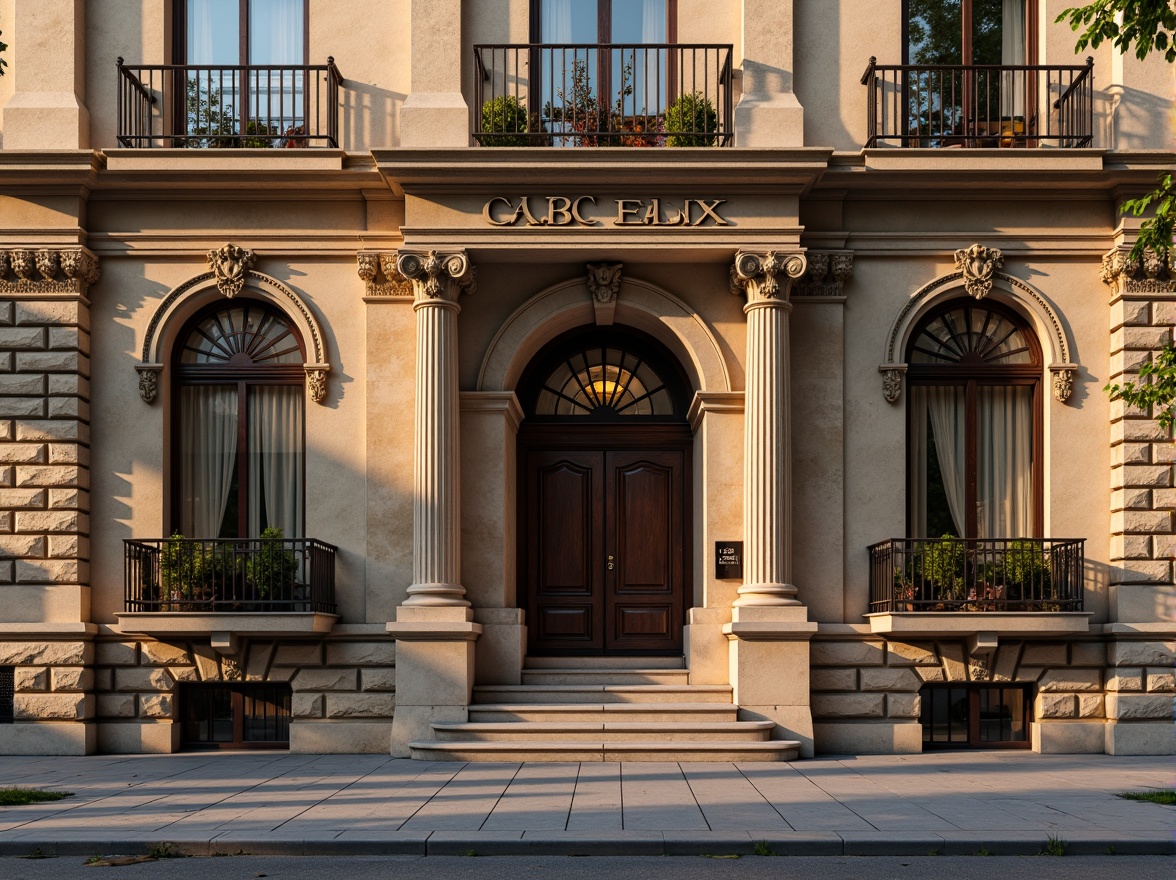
pixel 578 380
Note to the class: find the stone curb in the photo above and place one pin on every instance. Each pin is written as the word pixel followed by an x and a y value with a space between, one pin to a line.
pixel 631 843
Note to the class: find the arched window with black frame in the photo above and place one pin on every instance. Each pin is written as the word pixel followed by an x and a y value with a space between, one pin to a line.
pixel 974 424
pixel 238 423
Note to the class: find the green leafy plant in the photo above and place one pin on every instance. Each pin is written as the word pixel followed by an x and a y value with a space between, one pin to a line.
pixel 1026 572
pixel 272 568
pixel 1156 387
pixel 694 115
pixel 942 563
pixel 162 850
pixel 505 123
pixel 1166 796
pixel 13 797
pixel 590 118
pixel 179 571
pixel 3 48
pixel 213 123
pixel 1054 846
pixel 761 848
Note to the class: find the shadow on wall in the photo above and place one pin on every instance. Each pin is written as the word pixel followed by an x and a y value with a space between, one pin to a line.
pixel 369 117
pixel 1130 119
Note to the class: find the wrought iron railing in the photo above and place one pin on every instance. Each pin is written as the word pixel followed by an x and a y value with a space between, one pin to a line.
pixel 189 105
pixel 182 574
pixel 989 574
pixel 603 95
pixel 945 105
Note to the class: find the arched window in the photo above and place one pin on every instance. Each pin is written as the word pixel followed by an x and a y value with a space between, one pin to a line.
pixel 615 374
pixel 238 424
pixel 974 449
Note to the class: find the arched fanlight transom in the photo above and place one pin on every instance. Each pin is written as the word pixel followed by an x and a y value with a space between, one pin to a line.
pixel 971 334
pixel 603 381
pixel 242 335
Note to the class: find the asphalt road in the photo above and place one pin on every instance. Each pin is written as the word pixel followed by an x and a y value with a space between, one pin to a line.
pixel 611 867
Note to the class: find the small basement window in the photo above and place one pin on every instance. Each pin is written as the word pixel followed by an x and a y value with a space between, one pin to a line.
pixel 235 716
pixel 976 716
pixel 7 694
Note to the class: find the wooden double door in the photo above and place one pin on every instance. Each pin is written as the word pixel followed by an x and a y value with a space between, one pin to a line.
pixel 604 558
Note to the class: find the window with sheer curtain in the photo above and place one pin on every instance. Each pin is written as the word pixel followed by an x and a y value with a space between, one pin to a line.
pixel 974 462
pixel 239 424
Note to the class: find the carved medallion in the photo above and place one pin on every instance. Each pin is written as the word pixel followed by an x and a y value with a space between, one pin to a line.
pixel 230 265
pixel 978 263
pixel 604 280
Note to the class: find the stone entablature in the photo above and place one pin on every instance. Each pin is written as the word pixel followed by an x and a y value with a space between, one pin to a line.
pixel 47 272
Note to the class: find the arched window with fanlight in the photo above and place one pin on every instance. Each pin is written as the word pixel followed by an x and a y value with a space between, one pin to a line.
pixel 238 423
pixel 974 450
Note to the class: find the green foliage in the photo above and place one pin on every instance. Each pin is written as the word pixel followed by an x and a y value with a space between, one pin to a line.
pixel 934 28
pixel 590 118
pixel 505 114
pixel 692 113
pixel 1149 24
pixel 1054 846
pixel 1156 387
pixel 3 48
pixel 1026 571
pixel 1155 233
pixel 179 568
pixel 761 848
pixel 942 563
pixel 214 123
pixel 1166 796
pixel 162 850
pixel 13 797
pixel 273 568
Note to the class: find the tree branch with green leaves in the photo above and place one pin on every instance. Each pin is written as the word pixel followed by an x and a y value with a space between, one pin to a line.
pixel 3 48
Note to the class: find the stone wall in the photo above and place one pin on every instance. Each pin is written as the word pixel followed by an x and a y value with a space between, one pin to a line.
pixel 343 690
pixel 53 703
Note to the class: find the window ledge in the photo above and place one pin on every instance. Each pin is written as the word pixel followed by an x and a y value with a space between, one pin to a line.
pixel 203 623
pixel 930 623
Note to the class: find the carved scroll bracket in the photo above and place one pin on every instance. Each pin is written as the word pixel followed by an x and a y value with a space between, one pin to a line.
pixel 1063 380
pixel 604 283
pixel 827 273
pixel 383 282
pixel 892 375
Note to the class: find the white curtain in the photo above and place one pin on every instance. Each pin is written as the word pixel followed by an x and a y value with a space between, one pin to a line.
pixel 1013 51
pixel 208 457
pixel 1005 461
pixel 946 405
pixel 275 459
pixel 275 32
pixel 555 21
pixel 213 28
pixel 653 21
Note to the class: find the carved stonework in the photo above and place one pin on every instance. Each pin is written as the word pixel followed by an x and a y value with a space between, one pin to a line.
pixel 892 381
pixel 149 381
pixel 437 276
pixel 316 383
pixel 1151 274
pixel 40 271
pixel 381 279
pixel 232 671
pixel 604 281
pixel 230 265
pixel 826 274
pixel 1063 380
pixel 766 277
pixel 979 264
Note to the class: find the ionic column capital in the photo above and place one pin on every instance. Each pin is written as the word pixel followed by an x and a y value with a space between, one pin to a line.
pixel 437 277
pixel 766 278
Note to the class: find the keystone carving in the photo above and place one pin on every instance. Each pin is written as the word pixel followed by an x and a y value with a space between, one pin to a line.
pixel 979 264
pixel 230 265
pixel 766 277
pixel 604 280
pixel 826 275
pixel 40 271
pixel 437 276
pixel 1151 274
pixel 382 280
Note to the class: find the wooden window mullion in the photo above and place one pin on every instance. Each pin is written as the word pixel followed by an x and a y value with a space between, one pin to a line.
pixel 971 430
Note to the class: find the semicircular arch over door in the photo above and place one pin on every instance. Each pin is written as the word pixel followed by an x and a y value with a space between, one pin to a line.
pixel 604 495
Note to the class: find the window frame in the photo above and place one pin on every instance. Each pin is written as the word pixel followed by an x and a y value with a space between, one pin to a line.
pixel 180 32
pixel 971 377
pixel 187 375
pixel 1031 32
pixel 603 21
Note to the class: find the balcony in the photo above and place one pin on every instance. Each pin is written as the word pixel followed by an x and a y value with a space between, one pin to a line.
pixel 178 105
pixel 179 586
pixel 979 105
pixel 954 585
pixel 603 95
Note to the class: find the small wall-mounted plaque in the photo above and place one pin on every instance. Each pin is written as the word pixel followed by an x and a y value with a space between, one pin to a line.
pixel 728 560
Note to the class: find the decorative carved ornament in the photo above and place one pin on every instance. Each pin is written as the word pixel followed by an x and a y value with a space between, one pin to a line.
pixel 316 384
pixel 892 381
pixel 604 281
pixel 149 381
pixel 437 276
pixel 1150 274
pixel 40 271
pixel 826 274
pixel 766 277
pixel 382 280
pixel 230 266
pixel 1063 380
pixel 979 264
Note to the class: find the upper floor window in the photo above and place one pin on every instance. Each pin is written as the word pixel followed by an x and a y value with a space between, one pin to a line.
pixel 603 21
pixel 974 441
pixel 968 31
pixel 222 32
pixel 238 426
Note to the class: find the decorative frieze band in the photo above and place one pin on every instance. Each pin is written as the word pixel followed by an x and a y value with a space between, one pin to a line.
pixel 382 280
pixel 1151 273
pixel 47 271
pixel 826 274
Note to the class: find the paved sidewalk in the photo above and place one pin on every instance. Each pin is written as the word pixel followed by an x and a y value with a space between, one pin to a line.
pixel 1007 803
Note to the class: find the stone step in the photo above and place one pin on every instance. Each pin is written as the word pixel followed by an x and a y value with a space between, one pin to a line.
pixel 606 750
pixel 602 693
pixel 616 731
pixel 678 662
pixel 547 677
pixel 604 712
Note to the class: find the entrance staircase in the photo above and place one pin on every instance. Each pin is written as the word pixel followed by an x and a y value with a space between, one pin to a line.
pixel 604 709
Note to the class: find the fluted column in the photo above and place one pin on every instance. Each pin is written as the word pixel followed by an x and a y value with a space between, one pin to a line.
pixel 767 280
pixel 438 280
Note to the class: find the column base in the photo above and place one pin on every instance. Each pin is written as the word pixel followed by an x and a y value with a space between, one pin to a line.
pixel 437 596
pixel 766 595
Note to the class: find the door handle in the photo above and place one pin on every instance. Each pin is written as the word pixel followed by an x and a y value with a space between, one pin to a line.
pixel 610 563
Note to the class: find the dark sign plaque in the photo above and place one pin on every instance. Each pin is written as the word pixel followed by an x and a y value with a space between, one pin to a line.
pixel 728 560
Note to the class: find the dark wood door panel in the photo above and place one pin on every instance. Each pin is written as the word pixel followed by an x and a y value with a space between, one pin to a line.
pixel 566 526
pixel 643 501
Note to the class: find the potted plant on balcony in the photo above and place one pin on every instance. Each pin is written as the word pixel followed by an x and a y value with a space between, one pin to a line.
pixel 1028 579
pixel 941 567
pixel 273 568
pixel 506 123
pixel 690 121
pixel 179 567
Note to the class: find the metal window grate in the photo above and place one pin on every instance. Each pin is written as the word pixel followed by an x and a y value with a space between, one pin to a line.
pixel 7 694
